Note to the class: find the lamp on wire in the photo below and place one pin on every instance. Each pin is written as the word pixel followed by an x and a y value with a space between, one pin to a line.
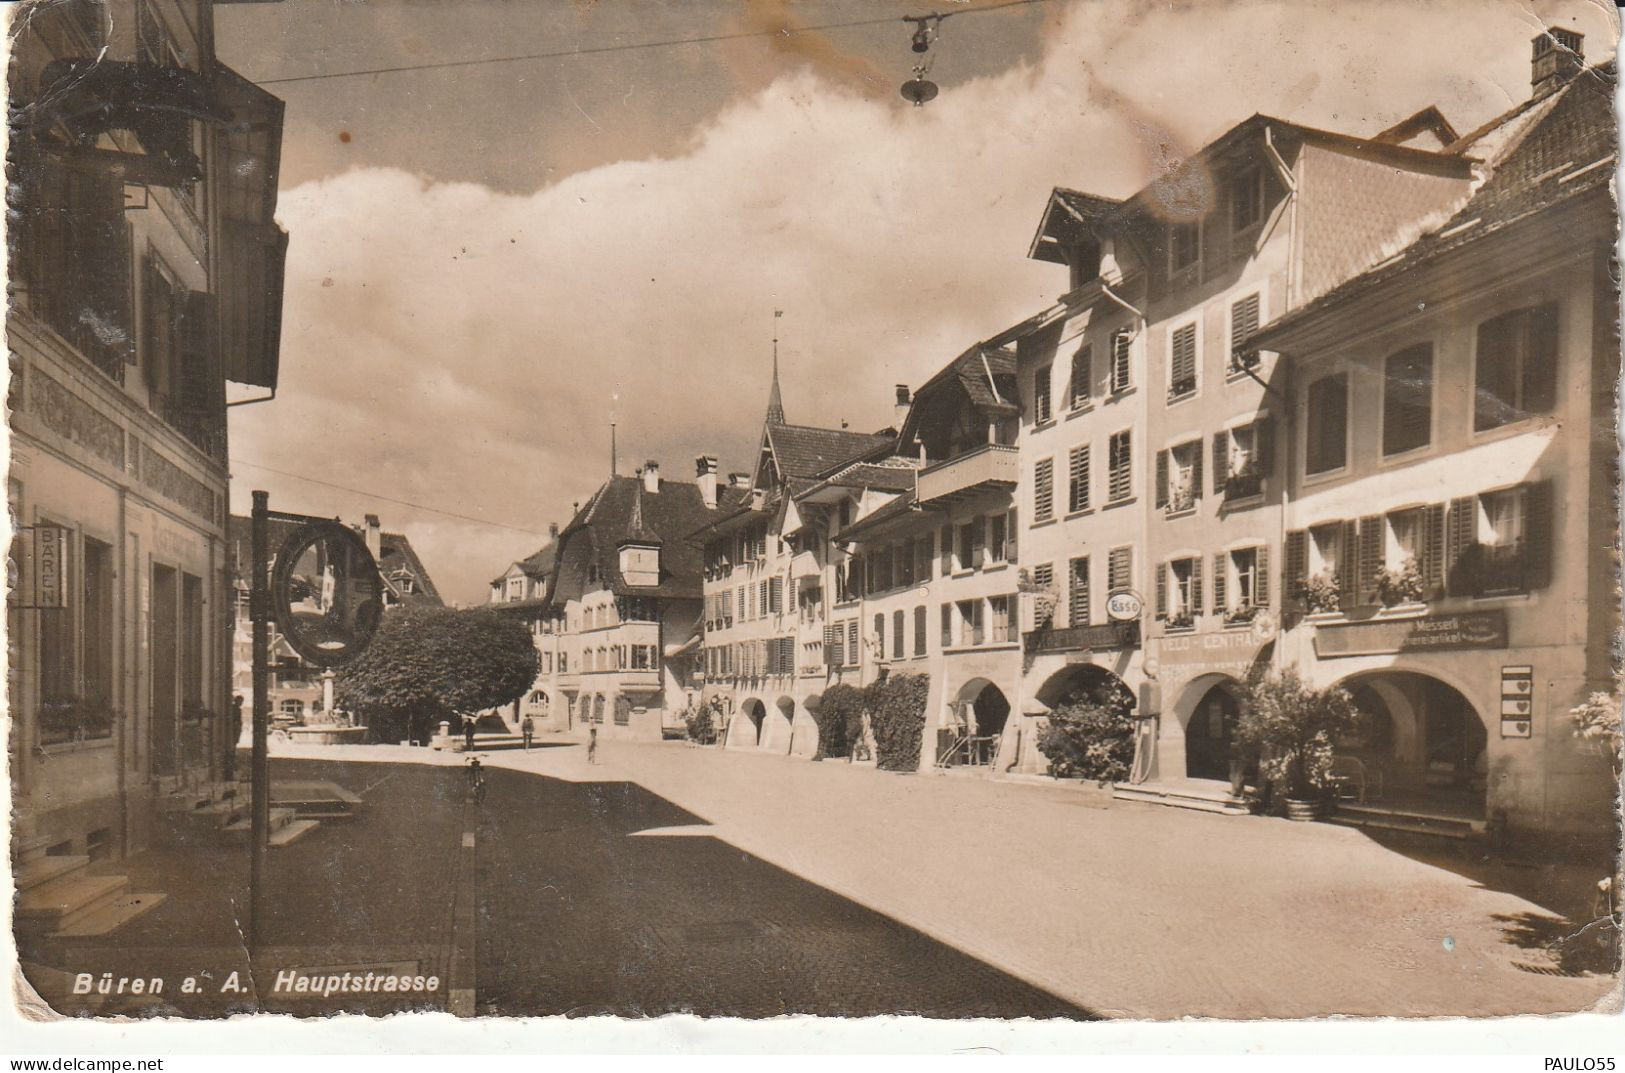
pixel 927 28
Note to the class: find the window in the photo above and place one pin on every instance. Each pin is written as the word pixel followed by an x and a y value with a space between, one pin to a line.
pixel 1517 367
pixel 1407 400
pixel 1326 424
pixel 1078 479
pixel 1044 490
pixel 1501 535
pixel 1121 378
pixel 1241 458
pixel 1082 363
pixel 1244 317
pixel 947 637
pixel 1120 484
pixel 1179 477
pixel 919 630
pixel 57 639
pixel 294 707
pixel 922 558
pixel 1077 603
pixel 1182 362
pixel 1241 583
pixel 1120 569
pixel 1004 623
pixel 853 653
pixel 1247 200
pixel 970 544
pixel 897 625
pixel 1184 246
pixel 1044 576
pixel 1404 544
pixel 1179 592
pixel 97 622
pixel 1041 394
pixel 880 635
pixel 995 539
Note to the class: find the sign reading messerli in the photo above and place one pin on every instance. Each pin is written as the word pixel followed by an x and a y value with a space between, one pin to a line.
pixel 1473 629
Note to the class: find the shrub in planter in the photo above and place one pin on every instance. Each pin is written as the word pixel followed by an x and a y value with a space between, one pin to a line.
pixel 840 722
pixel 1291 726
pixel 1322 592
pixel 897 714
pixel 1399 586
pixel 700 723
pixel 1090 733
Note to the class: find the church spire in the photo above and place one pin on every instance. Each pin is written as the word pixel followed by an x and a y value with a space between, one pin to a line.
pixel 775 401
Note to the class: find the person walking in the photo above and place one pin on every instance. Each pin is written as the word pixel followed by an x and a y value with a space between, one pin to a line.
pixel 592 746
pixel 468 733
pixel 527 727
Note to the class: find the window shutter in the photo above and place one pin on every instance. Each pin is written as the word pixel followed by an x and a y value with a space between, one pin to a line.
pixel 1433 544
pixel 1079 479
pixel 1243 323
pixel 1371 540
pixel 947 625
pixel 880 634
pixel 1540 359
pixel 1196 469
pixel 1219 579
pixel 898 627
pixel 1183 365
pixel 947 550
pixel 1264 446
pixel 1196 586
pixel 978 541
pixel 1537 535
pixel 1162 590
pixel 1221 461
pixel 196 330
pixel 1121 380
pixel 1080 375
pixel 1261 576
pixel 1461 533
pixel 854 656
pixel 776 595
pixel 919 630
pixel 1010 537
pixel 1044 490
pixel 1162 479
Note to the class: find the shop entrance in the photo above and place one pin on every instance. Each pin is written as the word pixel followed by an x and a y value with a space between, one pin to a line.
pixel 1210 734
pixel 1422 744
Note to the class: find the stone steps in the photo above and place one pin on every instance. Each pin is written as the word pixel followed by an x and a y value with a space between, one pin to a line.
pixel 1177 795
pixel 109 915
pixel 1380 818
pixel 44 869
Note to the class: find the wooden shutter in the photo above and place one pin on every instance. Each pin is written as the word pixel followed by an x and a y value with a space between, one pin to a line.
pixel 1261 577
pixel 1264 446
pixel 1044 490
pixel 1219 579
pixel 1461 533
pixel 1078 593
pixel 1371 540
pixel 1196 469
pixel 1183 364
pixel 1162 479
pixel 776 595
pixel 1348 544
pixel 1081 362
pixel 947 550
pixel 947 625
pixel 1121 380
pixel 1537 534
pixel 1010 536
pixel 1221 461
pixel 1196 586
pixel 854 656
pixel 1433 526
pixel 880 634
pixel 1162 590
pixel 978 540
pixel 919 630
pixel 1243 323
pixel 898 628
pixel 195 334
pixel 1120 568
pixel 1078 479
pixel 1540 359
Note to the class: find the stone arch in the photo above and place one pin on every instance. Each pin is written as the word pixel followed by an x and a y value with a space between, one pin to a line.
pixel 1424 741
pixel 778 724
pixel 1205 718
pixel 745 730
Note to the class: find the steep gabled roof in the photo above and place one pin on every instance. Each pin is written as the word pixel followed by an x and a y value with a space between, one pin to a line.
pixel 987 376
pixel 620 507
pixel 1427 121
pixel 1565 153
pixel 803 452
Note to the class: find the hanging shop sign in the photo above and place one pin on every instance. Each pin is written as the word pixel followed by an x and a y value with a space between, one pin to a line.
pixel 326 593
pixel 1517 701
pixel 50 568
pixel 1088 638
pixel 1125 605
pixel 1432 633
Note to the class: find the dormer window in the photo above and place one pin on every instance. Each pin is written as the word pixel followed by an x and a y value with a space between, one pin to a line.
pixel 1184 245
pixel 1247 201
pixel 640 565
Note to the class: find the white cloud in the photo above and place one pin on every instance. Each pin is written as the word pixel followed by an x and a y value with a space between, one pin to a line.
pixel 452 346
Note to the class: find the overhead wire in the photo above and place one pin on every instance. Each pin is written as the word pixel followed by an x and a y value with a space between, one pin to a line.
pixel 786 31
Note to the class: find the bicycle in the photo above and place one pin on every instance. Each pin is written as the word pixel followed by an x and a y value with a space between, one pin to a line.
pixel 476 780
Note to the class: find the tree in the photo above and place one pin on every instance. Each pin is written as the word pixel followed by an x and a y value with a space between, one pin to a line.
pixel 428 664
pixel 896 707
pixel 840 721
pixel 1293 727
pixel 1596 722
pixel 1090 733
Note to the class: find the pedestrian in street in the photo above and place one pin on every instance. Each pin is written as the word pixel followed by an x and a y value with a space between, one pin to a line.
pixel 527 727
pixel 468 733
pixel 592 746
pixel 234 734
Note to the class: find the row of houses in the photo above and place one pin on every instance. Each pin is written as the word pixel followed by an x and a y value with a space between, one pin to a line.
pixel 1338 402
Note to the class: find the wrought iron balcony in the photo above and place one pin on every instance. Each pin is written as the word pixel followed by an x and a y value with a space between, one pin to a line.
pixel 993 465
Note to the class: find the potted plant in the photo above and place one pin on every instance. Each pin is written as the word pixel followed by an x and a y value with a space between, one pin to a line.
pixel 1182 620
pixel 1322 592
pixel 1597 723
pixel 1241 613
pixel 1245 481
pixel 1291 726
pixel 1399 585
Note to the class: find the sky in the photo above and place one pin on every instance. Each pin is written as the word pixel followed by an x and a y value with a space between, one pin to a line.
pixel 488 264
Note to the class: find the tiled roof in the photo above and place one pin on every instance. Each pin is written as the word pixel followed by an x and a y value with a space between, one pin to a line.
pixel 887 478
pixel 875 519
pixel 669 515
pixel 1563 155
pixel 803 452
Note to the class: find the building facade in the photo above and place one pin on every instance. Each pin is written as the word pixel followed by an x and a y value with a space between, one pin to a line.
pixel 146 273
pixel 521 591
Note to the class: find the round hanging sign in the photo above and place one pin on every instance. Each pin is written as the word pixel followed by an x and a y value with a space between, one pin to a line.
pixel 326 594
pixel 1124 605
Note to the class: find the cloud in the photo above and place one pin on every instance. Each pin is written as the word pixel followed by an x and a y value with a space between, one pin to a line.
pixel 448 345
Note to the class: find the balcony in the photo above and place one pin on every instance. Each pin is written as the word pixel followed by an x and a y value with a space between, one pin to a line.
pixel 994 465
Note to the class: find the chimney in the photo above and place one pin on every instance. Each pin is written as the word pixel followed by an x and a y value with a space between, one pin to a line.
pixel 552 530
pixel 651 476
pixel 375 540
pixel 705 475
pixel 900 415
pixel 738 480
pixel 1559 55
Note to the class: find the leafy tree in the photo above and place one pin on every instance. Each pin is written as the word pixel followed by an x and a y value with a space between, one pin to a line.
pixel 1292 727
pixel 1596 722
pixel 428 664
pixel 840 721
pixel 897 715
pixel 1089 734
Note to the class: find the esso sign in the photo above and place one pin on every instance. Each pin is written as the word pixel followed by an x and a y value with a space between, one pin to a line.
pixel 1124 606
